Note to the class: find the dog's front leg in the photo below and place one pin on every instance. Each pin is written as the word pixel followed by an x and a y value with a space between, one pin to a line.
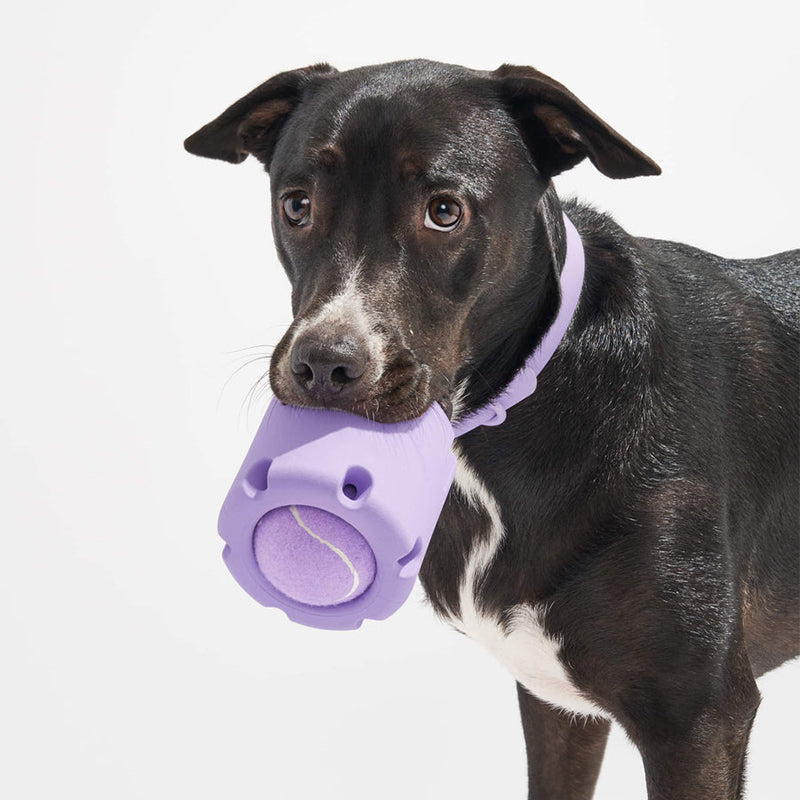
pixel 564 752
pixel 704 759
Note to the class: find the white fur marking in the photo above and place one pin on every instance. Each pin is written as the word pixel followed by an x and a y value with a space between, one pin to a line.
pixel 526 650
pixel 459 396
pixel 347 307
pixel 348 563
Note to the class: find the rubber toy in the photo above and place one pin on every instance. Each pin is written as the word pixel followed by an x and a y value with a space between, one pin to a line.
pixel 330 514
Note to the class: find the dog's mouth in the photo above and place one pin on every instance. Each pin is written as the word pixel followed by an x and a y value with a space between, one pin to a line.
pixel 403 391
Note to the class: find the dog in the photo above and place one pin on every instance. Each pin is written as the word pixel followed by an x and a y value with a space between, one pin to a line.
pixel 626 542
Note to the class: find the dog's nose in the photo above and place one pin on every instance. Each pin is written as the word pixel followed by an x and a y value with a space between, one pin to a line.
pixel 325 367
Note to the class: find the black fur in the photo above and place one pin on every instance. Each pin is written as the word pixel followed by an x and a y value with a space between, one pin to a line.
pixel 649 488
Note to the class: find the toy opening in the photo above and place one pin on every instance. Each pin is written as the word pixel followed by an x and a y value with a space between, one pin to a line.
pixel 257 477
pixel 408 563
pixel 356 484
pixel 313 556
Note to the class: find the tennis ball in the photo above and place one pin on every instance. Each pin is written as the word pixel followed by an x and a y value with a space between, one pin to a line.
pixel 313 556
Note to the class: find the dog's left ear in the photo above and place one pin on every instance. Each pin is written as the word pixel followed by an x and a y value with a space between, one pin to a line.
pixel 252 124
pixel 560 131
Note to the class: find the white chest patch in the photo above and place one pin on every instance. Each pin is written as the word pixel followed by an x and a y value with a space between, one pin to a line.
pixel 525 649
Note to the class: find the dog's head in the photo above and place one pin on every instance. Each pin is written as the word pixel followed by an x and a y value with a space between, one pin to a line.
pixel 413 212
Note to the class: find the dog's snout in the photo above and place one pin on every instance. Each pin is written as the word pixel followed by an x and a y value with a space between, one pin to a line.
pixel 323 367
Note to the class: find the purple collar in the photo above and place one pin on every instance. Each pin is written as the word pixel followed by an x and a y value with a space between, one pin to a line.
pixel 523 384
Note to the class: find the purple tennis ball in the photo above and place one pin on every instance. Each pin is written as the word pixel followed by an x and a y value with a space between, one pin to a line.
pixel 313 556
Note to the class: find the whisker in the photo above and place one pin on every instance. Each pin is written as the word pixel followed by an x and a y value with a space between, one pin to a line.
pixel 255 394
pixel 236 371
pixel 251 347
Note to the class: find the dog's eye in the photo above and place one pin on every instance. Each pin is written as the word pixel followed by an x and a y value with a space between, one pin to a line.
pixel 297 208
pixel 442 214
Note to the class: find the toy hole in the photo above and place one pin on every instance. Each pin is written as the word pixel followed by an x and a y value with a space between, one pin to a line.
pixel 256 480
pixel 357 482
pixel 406 562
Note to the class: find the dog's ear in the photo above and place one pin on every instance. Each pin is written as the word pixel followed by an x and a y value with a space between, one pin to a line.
pixel 560 131
pixel 252 124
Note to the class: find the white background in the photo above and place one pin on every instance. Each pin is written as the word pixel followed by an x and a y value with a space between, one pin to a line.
pixel 133 666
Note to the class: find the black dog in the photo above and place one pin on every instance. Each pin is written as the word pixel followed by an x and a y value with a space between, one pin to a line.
pixel 627 541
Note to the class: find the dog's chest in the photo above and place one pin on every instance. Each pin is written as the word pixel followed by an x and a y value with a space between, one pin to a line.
pixel 522 644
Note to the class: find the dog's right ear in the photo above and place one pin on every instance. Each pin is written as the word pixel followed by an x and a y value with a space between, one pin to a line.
pixel 251 125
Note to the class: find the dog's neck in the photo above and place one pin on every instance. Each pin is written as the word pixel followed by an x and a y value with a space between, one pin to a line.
pixel 523 381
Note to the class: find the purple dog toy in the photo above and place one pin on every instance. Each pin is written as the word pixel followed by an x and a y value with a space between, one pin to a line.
pixel 330 514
